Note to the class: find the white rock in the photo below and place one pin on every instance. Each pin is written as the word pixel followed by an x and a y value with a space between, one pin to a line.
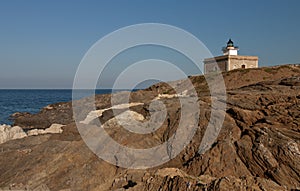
pixel 98 113
pixel 168 96
pixel 17 132
pixel 2 127
pixel 3 137
pixel 131 121
pixel 9 133
pixel 48 107
pixel 54 128
pixel 128 115
pixel 35 132
pixel 93 115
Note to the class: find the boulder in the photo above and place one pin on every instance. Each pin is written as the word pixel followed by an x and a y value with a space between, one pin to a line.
pixel 9 133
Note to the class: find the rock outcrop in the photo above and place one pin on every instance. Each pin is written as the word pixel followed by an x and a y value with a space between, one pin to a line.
pixel 54 128
pixel 258 147
pixel 9 133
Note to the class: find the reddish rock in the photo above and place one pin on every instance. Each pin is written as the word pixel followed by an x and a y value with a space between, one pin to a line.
pixel 258 147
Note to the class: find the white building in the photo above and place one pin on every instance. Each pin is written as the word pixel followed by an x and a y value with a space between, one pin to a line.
pixel 230 60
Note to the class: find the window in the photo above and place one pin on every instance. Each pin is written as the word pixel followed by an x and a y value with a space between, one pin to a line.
pixel 243 66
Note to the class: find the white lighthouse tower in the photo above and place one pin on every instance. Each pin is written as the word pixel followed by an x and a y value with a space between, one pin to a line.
pixel 230 49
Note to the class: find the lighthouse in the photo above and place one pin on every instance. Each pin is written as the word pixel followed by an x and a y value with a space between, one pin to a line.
pixel 230 60
pixel 230 49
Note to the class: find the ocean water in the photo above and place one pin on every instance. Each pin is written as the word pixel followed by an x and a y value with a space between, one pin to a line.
pixel 12 101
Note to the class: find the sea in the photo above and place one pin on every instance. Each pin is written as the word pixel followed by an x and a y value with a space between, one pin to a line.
pixel 33 100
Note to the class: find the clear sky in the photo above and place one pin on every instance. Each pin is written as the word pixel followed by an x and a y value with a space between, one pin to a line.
pixel 42 42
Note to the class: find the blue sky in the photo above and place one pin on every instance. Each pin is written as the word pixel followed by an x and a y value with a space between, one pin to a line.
pixel 42 42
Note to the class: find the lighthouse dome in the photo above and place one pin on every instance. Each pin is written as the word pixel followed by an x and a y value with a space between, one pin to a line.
pixel 230 43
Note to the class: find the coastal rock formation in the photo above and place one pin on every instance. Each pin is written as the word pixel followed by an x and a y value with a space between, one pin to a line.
pixel 258 147
pixel 98 113
pixel 9 133
pixel 59 113
pixel 54 128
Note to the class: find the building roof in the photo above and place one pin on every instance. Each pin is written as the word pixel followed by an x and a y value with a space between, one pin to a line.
pixel 226 57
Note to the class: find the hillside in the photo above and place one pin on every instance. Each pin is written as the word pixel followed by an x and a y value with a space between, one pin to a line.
pixel 256 149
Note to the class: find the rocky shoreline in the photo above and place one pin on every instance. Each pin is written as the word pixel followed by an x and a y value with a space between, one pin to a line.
pixel 8 132
pixel 256 149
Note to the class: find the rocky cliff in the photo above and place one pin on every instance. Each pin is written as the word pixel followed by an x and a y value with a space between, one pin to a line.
pixel 256 149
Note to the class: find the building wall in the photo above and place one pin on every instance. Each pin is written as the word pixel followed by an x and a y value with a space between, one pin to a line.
pixel 238 63
pixel 231 52
pixel 230 62
pixel 212 67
